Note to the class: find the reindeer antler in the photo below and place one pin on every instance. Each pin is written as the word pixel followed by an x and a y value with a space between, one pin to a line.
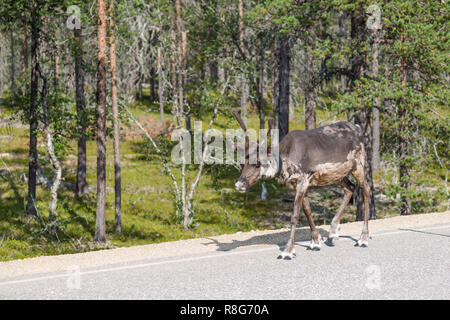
pixel 237 114
pixel 270 124
pixel 269 131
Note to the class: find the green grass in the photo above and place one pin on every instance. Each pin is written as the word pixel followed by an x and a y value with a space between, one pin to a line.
pixel 147 206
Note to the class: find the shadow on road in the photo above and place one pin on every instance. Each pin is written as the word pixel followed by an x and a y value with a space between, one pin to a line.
pixel 280 239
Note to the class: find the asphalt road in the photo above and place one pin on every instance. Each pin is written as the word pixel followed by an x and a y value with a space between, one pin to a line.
pixel 402 264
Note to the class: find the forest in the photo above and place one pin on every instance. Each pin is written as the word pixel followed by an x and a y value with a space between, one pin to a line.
pixel 91 93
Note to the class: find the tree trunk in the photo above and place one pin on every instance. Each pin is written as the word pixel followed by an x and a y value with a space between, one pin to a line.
pixel 184 78
pixel 341 23
pixel 100 228
pixel 152 74
pixel 363 116
pixel 376 105
pixel 363 120
pixel 13 63
pixel 404 166
pixel 181 63
pixel 310 108
pixel 275 82
pixel 2 62
pixel 179 56
pixel 33 155
pixel 81 184
pixel 56 71
pixel 214 71
pixel 140 79
pixel 152 83
pixel 244 96
pixel 133 78
pixel 174 69
pixel 310 94
pixel 115 114
pixel 404 142
pixel 201 73
pixel 225 68
pixel 283 98
pixel 344 35
pixel 161 89
pixel 24 53
pixel 260 90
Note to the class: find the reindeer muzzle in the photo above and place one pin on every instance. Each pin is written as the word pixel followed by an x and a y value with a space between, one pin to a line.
pixel 241 185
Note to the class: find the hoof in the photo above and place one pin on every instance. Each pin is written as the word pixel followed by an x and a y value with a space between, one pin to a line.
pixel 331 241
pixel 362 243
pixel 333 236
pixel 287 255
pixel 315 246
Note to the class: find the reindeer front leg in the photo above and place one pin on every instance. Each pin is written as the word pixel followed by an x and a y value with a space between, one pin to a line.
pixel 360 178
pixel 301 188
pixel 315 235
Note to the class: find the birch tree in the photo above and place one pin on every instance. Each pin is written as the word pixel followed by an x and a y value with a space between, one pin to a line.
pixel 50 148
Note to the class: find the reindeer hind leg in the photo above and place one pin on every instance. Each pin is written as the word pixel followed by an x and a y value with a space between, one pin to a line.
pixel 358 173
pixel 349 188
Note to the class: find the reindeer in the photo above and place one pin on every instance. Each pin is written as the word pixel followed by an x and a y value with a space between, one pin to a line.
pixel 307 158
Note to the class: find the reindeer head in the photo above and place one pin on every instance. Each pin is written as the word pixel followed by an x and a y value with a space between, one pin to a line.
pixel 253 171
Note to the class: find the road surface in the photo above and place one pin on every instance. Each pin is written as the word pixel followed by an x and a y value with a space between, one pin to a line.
pixel 406 259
